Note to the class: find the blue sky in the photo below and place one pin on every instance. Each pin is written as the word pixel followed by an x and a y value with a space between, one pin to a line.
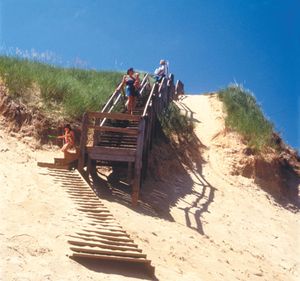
pixel 209 44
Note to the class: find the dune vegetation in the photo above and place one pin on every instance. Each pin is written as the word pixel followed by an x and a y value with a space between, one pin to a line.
pixel 68 90
pixel 245 116
pixel 172 121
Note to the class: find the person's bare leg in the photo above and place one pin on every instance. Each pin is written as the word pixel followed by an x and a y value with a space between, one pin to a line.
pixel 65 148
pixel 130 105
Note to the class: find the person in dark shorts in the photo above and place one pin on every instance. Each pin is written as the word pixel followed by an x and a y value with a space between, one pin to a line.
pixel 131 81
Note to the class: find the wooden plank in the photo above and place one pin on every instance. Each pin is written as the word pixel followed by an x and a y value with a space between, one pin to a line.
pixel 98 226
pixel 90 193
pixel 105 241
pixel 103 246
pixel 128 131
pixel 52 165
pixel 94 209
pixel 91 250
pixel 79 195
pixel 105 219
pixel 154 89
pixel 119 141
pixel 97 213
pixel 112 150
pixel 107 157
pixel 108 233
pixel 117 144
pixel 145 79
pixel 114 116
pixel 105 223
pixel 78 187
pixel 92 205
pixel 112 224
pixel 103 216
pixel 138 163
pixel 94 200
pixel 110 100
pixel 110 257
pixel 83 140
pixel 113 238
pixel 117 137
pixel 84 197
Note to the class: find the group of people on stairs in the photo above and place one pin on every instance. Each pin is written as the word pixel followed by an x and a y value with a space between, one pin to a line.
pixel 131 81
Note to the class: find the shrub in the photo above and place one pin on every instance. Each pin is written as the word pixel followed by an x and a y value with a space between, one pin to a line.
pixel 74 91
pixel 245 116
pixel 172 121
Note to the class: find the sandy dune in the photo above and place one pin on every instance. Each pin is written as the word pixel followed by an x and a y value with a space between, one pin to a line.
pixel 200 224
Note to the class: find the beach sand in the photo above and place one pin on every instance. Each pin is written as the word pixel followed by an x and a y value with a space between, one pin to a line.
pixel 200 223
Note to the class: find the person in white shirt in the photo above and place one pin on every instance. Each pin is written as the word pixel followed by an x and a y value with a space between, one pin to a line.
pixel 161 71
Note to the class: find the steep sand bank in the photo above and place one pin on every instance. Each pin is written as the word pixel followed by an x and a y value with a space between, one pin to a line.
pixel 202 223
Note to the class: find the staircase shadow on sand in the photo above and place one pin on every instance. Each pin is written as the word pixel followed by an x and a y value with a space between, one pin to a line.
pixel 174 180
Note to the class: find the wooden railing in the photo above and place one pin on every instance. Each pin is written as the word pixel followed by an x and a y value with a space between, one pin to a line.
pixel 158 98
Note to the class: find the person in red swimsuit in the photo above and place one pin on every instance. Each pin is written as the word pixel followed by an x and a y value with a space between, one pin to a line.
pixel 69 138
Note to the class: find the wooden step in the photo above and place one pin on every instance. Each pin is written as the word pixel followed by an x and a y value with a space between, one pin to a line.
pixel 53 165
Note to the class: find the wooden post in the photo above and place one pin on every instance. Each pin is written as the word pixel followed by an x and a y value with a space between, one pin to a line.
pixel 83 140
pixel 88 169
pixel 138 164
pixel 129 175
pixel 145 147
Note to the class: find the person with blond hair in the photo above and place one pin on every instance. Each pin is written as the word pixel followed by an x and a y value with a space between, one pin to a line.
pixel 161 71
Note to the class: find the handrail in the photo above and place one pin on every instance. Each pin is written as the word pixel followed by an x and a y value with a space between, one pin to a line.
pixel 114 116
pixel 162 84
pixel 144 87
pixel 149 99
pixel 145 79
pixel 117 90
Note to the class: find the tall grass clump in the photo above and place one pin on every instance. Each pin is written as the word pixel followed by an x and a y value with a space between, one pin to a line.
pixel 245 116
pixel 172 121
pixel 73 90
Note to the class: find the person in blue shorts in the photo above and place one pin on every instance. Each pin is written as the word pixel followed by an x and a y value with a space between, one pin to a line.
pixel 131 81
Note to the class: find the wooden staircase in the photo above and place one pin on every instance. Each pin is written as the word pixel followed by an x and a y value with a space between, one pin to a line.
pixel 109 137
pixel 98 236
pixel 120 137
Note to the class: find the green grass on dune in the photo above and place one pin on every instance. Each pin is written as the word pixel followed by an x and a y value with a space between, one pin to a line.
pixel 72 91
pixel 172 121
pixel 245 116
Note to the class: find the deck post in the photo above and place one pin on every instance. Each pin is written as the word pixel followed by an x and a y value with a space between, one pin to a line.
pixel 83 140
pixel 138 164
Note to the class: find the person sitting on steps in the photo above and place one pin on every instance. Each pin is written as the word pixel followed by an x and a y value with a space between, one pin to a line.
pixel 132 82
pixel 69 139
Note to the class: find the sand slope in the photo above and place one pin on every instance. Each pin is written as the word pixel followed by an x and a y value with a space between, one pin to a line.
pixel 201 224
